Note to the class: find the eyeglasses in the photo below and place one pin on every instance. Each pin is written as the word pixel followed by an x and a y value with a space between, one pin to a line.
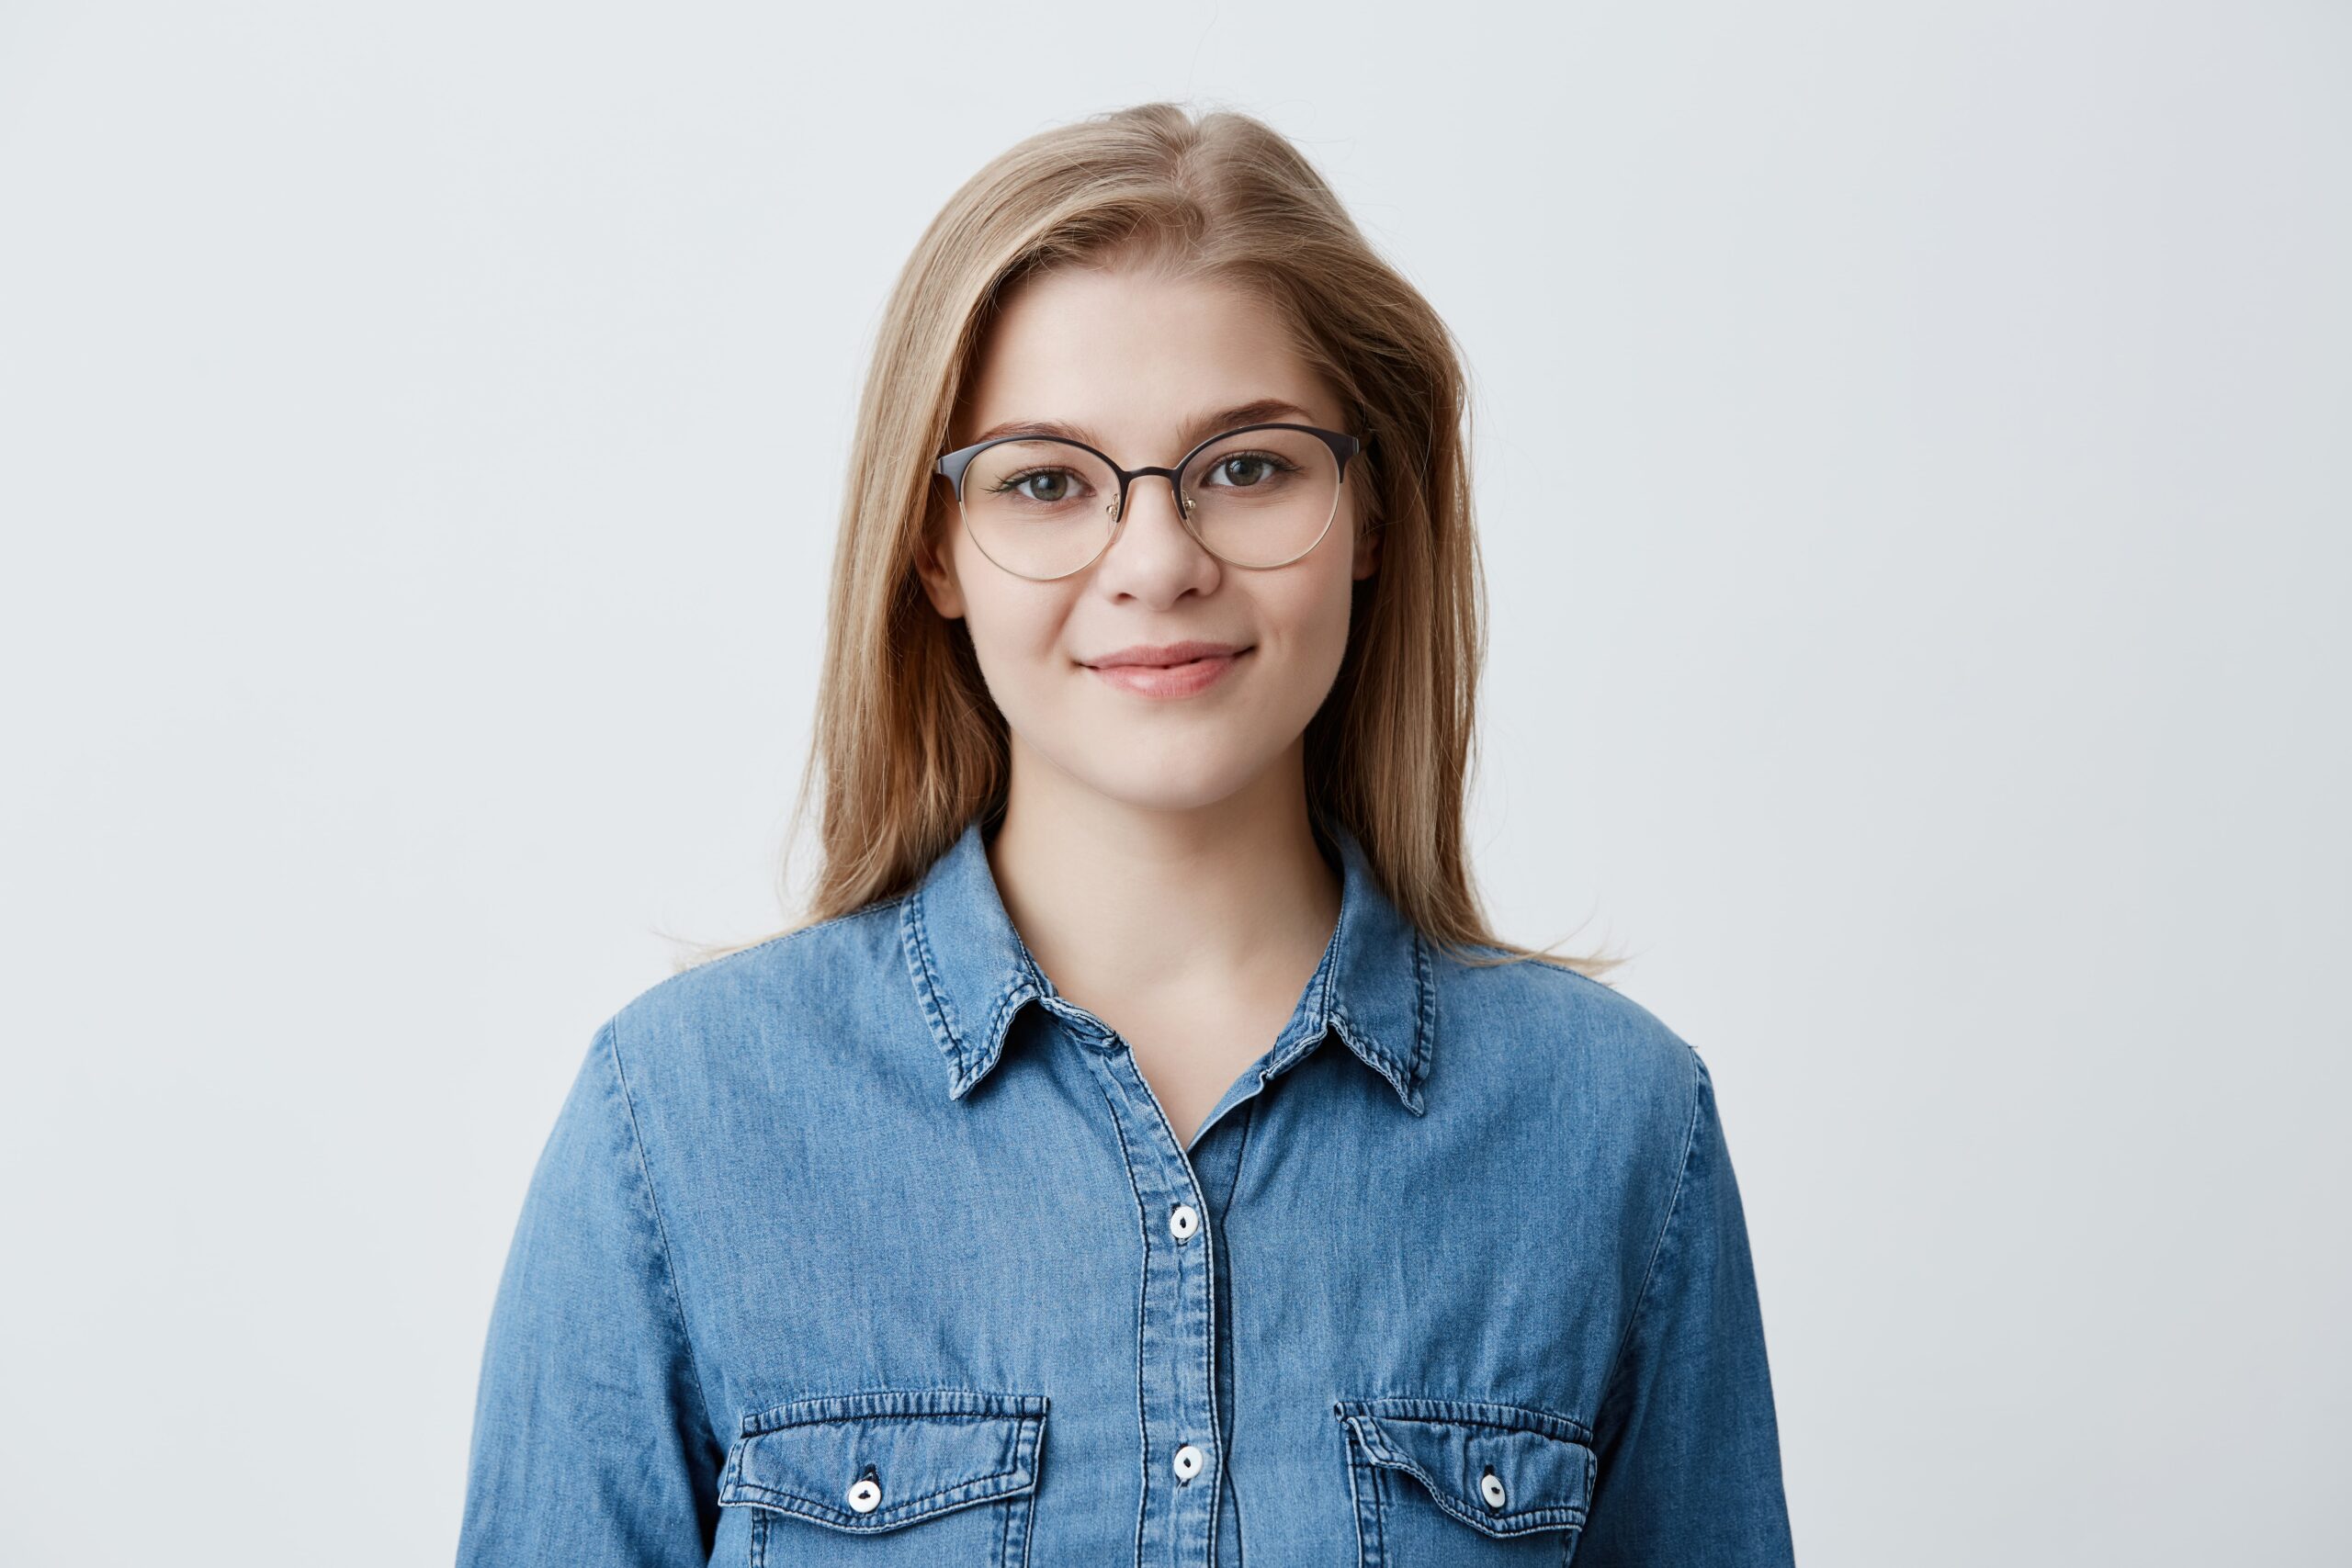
pixel 1042 507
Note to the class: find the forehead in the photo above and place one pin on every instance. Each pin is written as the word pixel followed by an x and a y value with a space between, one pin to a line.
pixel 1133 357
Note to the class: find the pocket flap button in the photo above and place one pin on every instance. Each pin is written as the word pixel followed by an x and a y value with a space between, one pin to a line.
pixel 1490 1487
pixel 867 1495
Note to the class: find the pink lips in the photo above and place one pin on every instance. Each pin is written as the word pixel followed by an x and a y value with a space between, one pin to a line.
pixel 1146 677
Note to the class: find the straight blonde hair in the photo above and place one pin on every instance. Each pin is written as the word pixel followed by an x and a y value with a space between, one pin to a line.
pixel 908 745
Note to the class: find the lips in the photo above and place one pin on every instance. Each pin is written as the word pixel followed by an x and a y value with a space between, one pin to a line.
pixel 1165 655
pixel 1182 679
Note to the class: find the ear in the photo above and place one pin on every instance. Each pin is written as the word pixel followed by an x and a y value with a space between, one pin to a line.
pixel 1367 560
pixel 936 568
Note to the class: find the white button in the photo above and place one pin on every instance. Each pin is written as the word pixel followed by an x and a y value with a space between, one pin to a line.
pixel 1490 1487
pixel 1184 1222
pixel 866 1495
pixel 1188 1462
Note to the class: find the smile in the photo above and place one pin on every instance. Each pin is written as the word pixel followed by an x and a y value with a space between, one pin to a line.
pixel 1186 679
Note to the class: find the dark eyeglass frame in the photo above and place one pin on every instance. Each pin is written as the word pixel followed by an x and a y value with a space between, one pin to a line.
pixel 951 466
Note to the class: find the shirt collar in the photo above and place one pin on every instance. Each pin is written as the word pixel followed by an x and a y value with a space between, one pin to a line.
pixel 972 973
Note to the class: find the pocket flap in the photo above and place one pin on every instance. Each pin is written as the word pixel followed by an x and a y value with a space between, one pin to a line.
pixel 1542 1465
pixel 880 1460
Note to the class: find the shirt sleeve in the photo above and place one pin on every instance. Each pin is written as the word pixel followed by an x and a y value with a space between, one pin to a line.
pixel 591 1448
pixel 1687 1441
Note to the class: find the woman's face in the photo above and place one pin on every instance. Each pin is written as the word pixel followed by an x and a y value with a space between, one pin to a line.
pixel 1134 360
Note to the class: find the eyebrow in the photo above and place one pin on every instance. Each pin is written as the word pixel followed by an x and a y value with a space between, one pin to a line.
pixel 1265 411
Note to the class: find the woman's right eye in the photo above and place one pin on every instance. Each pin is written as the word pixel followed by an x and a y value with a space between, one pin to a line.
pixel 1055 484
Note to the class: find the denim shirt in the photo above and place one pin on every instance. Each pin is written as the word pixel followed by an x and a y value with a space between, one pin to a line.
pixel 865 1249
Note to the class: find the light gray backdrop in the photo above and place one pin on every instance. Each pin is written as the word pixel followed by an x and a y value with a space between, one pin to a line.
pixel 1913 453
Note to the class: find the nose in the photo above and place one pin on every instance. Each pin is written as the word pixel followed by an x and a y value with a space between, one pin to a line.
pixel 1152 546
pixel 1137 483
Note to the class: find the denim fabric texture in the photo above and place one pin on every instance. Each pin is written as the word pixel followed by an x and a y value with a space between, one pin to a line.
pixel 863 1247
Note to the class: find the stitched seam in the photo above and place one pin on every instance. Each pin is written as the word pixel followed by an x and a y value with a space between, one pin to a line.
pixel 1143 1308
pixel 1425 1034
pixel 1355 1492
pixel 1377 1057
pixel 1232 1194
pixel 1649 1273
pixel 1209 1267
pixel 827 1510
pixel 1027 1505
pixel 1350 898
pixel 661 1228
pixel 1465 1412
pixel 937 1010
pixel 763 1423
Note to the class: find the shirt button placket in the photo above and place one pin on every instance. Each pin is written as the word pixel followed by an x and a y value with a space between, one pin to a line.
pixel 1176 1325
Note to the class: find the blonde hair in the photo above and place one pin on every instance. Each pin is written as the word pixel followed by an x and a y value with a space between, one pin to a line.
pixel 908 745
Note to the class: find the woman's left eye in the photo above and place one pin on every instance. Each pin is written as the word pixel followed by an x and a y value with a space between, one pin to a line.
pixel 1258 460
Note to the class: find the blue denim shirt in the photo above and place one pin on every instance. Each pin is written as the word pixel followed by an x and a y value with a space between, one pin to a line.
pixel 863 1247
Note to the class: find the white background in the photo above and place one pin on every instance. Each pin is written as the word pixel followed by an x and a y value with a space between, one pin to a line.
pixel 1912 453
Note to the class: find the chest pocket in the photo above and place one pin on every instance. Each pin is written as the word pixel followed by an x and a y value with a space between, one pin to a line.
pixel 1464 1483
pixel 884 1478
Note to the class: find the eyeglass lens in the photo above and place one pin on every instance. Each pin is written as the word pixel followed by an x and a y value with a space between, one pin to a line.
pixel 1044 507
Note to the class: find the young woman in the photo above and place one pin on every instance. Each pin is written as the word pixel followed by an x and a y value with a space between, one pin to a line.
pixel 1145 1155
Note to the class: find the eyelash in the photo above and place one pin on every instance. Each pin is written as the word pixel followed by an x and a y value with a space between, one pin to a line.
pixel 1016 480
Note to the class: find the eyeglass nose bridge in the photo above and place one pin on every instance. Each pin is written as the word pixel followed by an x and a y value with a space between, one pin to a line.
pixel 1127 478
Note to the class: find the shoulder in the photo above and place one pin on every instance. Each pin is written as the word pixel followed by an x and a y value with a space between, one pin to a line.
pixel 743 1009
pixel 1587 1050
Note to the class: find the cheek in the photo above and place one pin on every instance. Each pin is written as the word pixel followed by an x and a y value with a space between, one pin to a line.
pixel 1015 628
pixel 1314 608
